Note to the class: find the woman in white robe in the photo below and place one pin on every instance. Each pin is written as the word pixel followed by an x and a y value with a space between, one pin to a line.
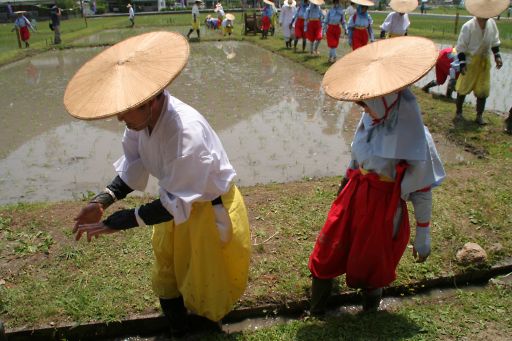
pixel 285 20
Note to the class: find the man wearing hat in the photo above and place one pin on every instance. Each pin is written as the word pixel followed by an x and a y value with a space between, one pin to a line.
pixel 227 24
pixel 131 14
pixel 288 11
pixel 394 160
pixel 55 14
pixel 359 26
pixel 478 38
pixel 22 24
pixel 201 239
pixel 397 22
pixel 195 19
pixel 266 17
pixel 298 24
pixel 313 24
pixel 334 21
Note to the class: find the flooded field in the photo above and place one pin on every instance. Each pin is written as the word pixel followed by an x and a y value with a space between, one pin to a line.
pixel 273 119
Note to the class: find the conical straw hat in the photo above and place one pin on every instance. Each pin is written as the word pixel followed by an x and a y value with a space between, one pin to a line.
pixel 126 75
pixel 486 8
pixel 268 2
pixel 364 2
pixel 230 16
pixel 403 6
pixel 380 68
pixel 317 2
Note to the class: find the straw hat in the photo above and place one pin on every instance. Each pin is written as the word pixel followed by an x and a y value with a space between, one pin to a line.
pixel 380 68
pixel 486 8
pixel 364 2
pixel 230 16
pixel 268 2
pixel 317 2
pixel 129 5
pixel 403 6
pixel 126 75
pixel 20 12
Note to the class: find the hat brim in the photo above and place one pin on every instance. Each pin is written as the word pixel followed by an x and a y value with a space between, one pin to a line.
pixel 20 12
pixel 364 2
pixel 486 8
pixel 230 16
pixel 126 75
pixel 380 68
pixel 317 2
pixel 403 6
pixel 268 2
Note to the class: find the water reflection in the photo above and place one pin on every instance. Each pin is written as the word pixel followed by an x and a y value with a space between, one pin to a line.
pixel 275 122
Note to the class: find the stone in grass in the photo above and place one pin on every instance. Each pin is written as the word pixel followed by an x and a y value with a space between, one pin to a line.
pixel 471 253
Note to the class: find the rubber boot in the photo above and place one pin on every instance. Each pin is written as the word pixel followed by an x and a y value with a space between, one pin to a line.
pixel 480 106
pixel 450 88
pixel 198 35
pixel 303 45
pixel 429 85
pixel 189 32
pixel 508 121
pixel 371 299
pixel 176 313
pixel 295 41
pixel 320 293
pixel 458 104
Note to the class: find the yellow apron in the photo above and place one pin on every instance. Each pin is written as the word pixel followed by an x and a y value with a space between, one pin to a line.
pixel 191 261
pixel 477 77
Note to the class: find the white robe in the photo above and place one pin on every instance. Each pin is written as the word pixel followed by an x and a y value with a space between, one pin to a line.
pixel 285 18
pixel 396 24
pixel 183 153
pixel 473 40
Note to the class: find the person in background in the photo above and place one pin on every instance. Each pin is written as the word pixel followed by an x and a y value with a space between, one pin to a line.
pixel 394 160
pixel 55 14
pixel 195 20
pixel 478 38
pixel 131 14
pixel 201 239
pixel 298 24
pixel 360 25
pixel 285 20
pixel 220 12
pixel 349 11
pixel 423 7
pixel 266 16
pixel 227 24
pixel 22 24
pixel 333 23
pixel 397 22
pixel 313 25
pixel 10 12
pixel 447 65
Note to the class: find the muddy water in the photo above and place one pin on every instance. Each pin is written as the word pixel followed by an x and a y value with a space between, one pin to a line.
pixel 271 115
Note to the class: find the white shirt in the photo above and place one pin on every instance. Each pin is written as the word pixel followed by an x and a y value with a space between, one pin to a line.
pixel 131 13
pixel 195 10
pixel 473 40
pixel 183 153
pixel 396 23
pixel 350 12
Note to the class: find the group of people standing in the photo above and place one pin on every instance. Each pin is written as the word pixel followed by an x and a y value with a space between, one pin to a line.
pixel 22 25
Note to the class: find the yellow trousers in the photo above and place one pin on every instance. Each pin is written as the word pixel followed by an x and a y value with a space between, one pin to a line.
pixel 477 77
pixel 191 261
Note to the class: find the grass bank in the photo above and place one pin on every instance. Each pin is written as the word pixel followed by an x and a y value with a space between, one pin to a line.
pixel 45 277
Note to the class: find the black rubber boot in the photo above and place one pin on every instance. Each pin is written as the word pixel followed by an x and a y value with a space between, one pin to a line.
pixel 508 122
pixel 450 88
pixel 320 293
pixel 303 45
pixel 371 299
pixel 429 85
pixel 176 313
pixel 295 45
pixel 198 35
pixel 480 106
pixel 189 32
pixel 458 104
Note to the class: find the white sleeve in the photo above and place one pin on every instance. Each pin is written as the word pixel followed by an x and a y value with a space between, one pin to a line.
pixel 496 36
pixel 387 22
pixel 463 41
pixel 130 167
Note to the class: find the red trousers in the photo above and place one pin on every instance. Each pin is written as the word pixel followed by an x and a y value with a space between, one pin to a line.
pixel 265 23
pixel 357 238
pixel 333 36
pixel 299 29
pixel 359 38
pixel 24 33
pixel 314 31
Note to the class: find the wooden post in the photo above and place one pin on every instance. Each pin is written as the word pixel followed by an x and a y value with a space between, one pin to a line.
pixel 456 28
pixel 18 35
